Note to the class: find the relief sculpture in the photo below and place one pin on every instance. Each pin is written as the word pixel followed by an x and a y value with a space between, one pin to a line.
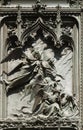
pixel 39 77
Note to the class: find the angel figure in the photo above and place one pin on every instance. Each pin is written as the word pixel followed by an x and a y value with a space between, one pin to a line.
pixel 31 64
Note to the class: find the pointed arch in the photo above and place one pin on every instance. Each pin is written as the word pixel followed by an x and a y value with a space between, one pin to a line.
pixel 39 24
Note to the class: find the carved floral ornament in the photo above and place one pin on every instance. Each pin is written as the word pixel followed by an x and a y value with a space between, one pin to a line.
pixel 36 76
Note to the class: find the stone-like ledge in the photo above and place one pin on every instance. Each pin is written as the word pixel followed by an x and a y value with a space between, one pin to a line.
pixel 39 123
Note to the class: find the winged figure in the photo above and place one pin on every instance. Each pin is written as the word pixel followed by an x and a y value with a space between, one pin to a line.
pixel 32 66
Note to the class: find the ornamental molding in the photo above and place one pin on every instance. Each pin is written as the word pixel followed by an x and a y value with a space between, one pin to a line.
pixel 7 10
pixel 38 123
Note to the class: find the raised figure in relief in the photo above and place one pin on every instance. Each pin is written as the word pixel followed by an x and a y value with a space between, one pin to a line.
pixel 38 79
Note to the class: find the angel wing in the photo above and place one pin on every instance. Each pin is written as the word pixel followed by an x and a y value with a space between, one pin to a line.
pixel 13 55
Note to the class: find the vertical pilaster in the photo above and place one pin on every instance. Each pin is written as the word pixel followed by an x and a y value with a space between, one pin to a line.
pixel 4 105
pixel 0 74
pixel 3 36
pixel 81 74
pixel 75 62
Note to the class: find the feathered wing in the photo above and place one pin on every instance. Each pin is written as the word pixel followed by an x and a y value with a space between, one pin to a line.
pixel 13 55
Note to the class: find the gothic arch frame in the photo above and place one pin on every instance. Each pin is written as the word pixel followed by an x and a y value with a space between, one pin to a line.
pixel 39 23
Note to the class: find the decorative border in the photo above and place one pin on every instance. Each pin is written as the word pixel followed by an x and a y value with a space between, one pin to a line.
pixel 37 123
